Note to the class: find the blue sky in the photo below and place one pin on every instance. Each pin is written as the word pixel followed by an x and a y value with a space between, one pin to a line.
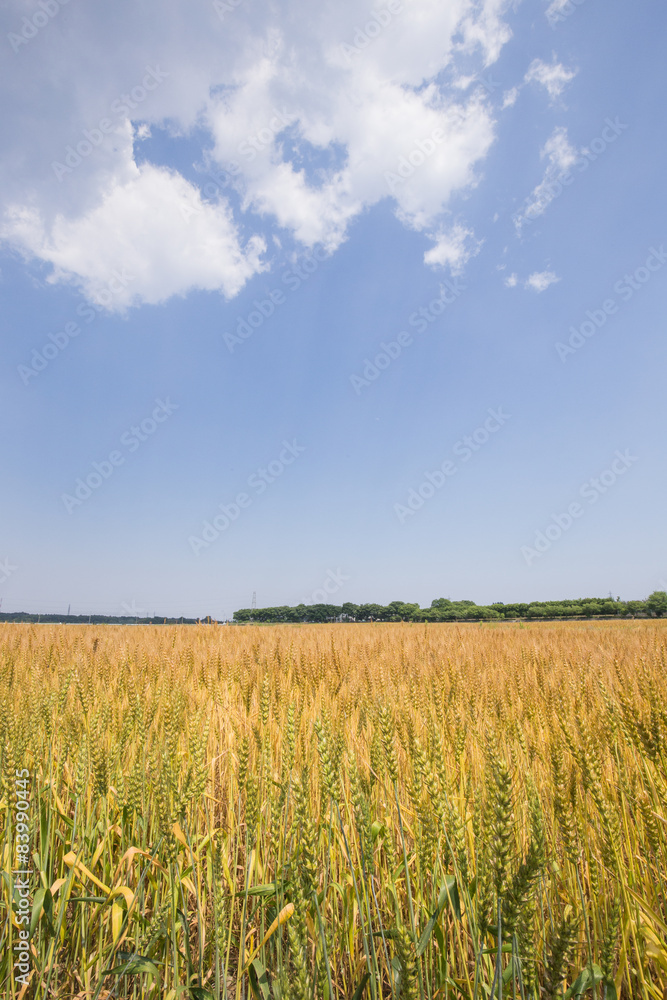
pixel 408 343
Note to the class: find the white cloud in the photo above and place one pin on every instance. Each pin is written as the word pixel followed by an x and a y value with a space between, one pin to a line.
pixel 560 156
pixel 539 281
pixel 155 229
pixel 511 281
pixel 371 111
pixel 352 120
pixel 509 97
pixel 553 77
pixel 453 249
pixel 555 7
pixel 558 150
pixel 483 27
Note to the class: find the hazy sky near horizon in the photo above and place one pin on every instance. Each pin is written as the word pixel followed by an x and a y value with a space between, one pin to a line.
pixel 354 299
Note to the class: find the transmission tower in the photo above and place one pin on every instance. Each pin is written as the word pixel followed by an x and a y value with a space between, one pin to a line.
pixel 254 599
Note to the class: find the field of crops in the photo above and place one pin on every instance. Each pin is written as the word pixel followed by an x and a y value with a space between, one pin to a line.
pixel 376 811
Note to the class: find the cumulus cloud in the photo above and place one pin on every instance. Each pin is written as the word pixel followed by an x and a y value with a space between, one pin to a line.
pixel 555 9
pixel 399 135
pixel 153 228
pixel 453 249
pixel 552 77
pixel 509 97
pixel 539 281
pixel 560 156
pixel 312 115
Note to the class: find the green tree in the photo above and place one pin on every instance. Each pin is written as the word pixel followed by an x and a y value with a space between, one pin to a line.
pixel 400 611
pixel 374 611
pixel 657 604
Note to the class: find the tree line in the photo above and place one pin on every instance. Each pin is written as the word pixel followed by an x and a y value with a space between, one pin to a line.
pixel 28 618
pixel 441 610
pixel 444 610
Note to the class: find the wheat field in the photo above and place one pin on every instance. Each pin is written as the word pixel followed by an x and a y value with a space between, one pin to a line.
pixel 377 811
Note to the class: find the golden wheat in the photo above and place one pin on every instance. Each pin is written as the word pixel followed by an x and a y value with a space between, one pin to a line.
pixel 367 810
